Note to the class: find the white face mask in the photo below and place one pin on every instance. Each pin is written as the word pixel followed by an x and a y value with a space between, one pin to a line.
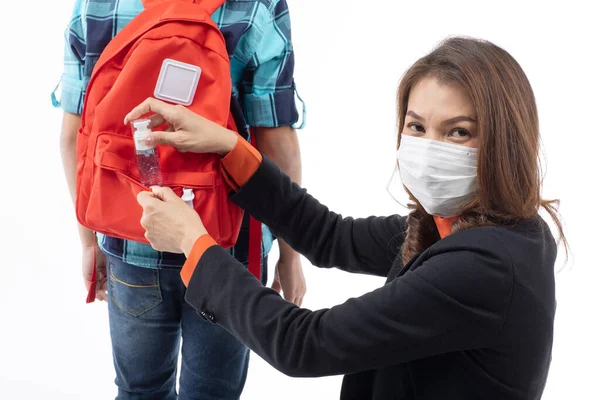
pixel 441 176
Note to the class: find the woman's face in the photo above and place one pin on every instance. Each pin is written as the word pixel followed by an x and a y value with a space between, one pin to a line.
pixel 441 112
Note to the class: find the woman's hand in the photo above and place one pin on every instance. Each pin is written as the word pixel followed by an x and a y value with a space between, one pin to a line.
pixel 171 225
pixel 185 130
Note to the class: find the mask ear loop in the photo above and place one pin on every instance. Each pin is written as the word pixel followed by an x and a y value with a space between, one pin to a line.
pixel 395 188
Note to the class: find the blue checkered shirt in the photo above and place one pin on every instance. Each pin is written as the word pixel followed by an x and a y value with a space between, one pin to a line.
pixel 258 39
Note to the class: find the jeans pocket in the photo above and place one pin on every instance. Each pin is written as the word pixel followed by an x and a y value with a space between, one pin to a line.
pixel 135 290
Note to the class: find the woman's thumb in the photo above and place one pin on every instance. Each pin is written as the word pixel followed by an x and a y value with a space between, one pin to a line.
pixel 164 193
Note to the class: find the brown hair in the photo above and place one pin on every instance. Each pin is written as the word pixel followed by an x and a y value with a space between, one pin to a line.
pixel 508 169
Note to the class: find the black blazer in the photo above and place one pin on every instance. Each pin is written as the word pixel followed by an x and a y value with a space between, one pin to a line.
pixel 469 318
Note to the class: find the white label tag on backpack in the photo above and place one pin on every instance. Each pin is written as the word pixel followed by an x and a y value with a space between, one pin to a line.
pixel 177 82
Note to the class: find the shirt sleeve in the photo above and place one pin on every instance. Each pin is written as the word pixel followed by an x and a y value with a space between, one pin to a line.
pixel 73 80
pixel 268 84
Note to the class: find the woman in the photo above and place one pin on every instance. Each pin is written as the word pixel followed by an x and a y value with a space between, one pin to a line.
pixel 468 308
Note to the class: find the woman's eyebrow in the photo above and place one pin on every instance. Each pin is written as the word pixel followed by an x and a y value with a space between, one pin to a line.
pixel 450 121
pixel 460 118
pixel 414 115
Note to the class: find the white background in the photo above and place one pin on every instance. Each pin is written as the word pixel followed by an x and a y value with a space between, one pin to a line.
pixel 350 56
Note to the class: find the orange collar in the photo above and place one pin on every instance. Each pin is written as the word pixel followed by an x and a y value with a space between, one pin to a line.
pixel 444 225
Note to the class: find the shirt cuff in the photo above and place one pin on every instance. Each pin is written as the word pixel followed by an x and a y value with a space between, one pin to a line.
pixel 240 164
pixel 200 247
pixel 271 110
pixel 73 91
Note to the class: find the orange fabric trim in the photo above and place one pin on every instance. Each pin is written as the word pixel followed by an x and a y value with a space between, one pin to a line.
pixel 200 247
pixel 444 225
pixel 228 180
pixel 240 164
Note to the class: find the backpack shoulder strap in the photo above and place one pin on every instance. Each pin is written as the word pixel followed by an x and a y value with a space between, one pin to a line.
pixel 254 236
pixel 145 21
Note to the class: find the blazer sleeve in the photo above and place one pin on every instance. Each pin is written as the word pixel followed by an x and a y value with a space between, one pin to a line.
pixel 456 300
pixel 365 245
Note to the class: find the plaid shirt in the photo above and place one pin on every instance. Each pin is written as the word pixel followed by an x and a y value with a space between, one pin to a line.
pixel 258 39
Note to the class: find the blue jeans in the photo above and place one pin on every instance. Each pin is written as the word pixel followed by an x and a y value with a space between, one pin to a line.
pixel 148 318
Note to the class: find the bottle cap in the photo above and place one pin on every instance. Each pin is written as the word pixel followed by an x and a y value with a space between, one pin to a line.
pixel 188 195
pixel 141 125
pixel 141 130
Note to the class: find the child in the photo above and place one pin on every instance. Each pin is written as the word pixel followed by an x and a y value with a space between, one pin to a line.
pixel 147 311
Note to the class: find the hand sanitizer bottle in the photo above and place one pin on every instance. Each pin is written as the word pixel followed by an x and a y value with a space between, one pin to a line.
pixel 147 156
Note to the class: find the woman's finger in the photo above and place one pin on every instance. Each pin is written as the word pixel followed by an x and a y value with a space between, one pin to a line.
pixel 165 138
pixel 146 199
pixel 157 120
pixel 152 105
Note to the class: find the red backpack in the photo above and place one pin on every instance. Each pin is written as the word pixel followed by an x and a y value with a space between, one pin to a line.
pixel 160 53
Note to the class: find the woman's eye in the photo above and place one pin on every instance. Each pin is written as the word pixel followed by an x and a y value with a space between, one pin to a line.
pixel 416 127
pixel 460 133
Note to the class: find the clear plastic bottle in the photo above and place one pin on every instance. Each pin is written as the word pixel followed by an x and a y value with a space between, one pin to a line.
pixel 147 156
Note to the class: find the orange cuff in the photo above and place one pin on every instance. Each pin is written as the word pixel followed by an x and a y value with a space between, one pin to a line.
pixel 240 164
pixel 200 247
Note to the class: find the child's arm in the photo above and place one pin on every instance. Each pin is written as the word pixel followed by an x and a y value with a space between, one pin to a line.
pixel 271 109
pixel 74 82
pixel 68 144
